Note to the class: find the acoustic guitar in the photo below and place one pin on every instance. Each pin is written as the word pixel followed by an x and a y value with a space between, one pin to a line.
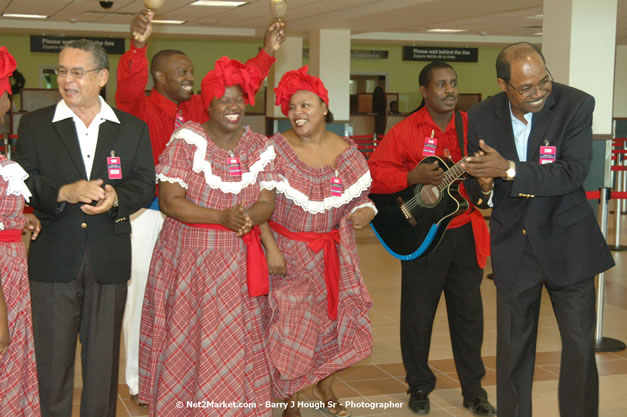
pixel 412 222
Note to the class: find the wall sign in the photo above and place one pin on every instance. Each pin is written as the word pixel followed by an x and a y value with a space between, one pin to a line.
pixel 435 53
pixel 54 44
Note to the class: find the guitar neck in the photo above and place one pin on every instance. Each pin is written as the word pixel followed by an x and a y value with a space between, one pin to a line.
pixel 452 174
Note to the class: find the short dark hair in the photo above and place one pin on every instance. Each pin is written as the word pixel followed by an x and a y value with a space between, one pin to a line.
pixel 511 53
pixel 329 117
pixel 425 75
pixel 160 57
pixel 95 48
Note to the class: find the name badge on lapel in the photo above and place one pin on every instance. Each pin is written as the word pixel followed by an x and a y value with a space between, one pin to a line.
pixel 235 168
pixel 336 185
pixel 430 145
pixel 548 154
pixel 114 167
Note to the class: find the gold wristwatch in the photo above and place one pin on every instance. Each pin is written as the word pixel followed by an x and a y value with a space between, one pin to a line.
pixel 510 173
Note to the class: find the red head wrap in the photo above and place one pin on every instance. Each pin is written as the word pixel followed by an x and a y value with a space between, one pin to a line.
pixel 7 66
pixel 292 81
pixel 229 72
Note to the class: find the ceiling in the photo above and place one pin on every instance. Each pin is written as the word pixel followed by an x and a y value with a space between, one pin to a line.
pixel 390 21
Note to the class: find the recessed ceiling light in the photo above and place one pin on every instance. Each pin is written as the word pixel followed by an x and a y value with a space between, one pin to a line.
pixel 537 16
pixel 217 3
pixel 171 22
pixel 25 16
pixel 538 34
pixel 446 30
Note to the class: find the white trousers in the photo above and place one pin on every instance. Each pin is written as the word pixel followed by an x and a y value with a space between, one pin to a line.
pixel 146 225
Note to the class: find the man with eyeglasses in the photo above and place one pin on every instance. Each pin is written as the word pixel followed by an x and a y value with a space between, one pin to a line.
pixel 532 150
pixel 90 167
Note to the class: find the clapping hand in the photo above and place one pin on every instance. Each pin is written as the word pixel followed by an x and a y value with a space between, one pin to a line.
pixel 486 163
pixel 236 218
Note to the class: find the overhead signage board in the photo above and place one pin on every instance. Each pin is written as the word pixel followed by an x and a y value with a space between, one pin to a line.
pixel 45 43
pixel 435 53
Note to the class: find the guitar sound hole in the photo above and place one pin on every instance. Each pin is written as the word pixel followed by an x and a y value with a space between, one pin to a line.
pixel 428 195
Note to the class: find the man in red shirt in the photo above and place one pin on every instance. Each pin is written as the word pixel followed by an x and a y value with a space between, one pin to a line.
pixel 455 266
pixel 170 103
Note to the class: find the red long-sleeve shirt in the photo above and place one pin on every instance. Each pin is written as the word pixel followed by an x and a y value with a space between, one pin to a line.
pixel 156 110
pixel 402 149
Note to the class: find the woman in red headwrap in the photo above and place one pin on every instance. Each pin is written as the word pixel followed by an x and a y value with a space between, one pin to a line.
pixel 318 304
pixel 19 392
pixel 201 343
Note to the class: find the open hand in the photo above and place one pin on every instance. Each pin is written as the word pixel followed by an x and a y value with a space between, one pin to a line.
pixel 487 163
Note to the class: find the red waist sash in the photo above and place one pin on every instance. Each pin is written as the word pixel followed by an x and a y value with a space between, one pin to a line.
pixel 327 242
pixel 257 276
pixel 10 236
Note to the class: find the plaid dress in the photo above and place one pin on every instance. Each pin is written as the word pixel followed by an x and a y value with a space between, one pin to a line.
pixel 303 344
pixel 19 392
pixel 201 335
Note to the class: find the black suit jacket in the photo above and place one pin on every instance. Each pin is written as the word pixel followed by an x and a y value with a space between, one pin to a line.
pixel 545 204
pixel 51 155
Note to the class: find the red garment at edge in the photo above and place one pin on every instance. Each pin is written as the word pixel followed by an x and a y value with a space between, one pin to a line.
pixel 156 110
pixel 400 152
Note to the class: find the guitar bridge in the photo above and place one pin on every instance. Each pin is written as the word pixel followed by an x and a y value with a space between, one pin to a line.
pixel 406 213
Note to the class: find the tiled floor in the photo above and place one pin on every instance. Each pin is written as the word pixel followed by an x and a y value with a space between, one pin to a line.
pixel 379 379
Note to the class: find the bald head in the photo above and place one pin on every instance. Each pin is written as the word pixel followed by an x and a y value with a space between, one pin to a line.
pixel 159 61
pixel 512 53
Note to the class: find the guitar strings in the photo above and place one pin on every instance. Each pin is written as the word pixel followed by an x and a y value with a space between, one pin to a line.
pixel 415 200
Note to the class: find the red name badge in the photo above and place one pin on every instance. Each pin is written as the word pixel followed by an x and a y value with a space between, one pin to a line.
pixel 547 154
pixel 336 187
pixel 430 145
pixel 114 166
pixel 234 167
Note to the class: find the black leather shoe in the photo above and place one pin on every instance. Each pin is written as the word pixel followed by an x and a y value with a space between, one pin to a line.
pixel 480 407
pixel 419 402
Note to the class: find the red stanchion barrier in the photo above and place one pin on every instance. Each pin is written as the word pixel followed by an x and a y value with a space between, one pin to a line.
pixel 619 168
pixel 614 195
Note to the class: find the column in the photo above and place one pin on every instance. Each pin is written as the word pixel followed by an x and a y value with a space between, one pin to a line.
pixel 329 59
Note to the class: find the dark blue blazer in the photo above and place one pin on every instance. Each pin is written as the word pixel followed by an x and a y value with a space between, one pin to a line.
pixel 545 204
pixel 51 155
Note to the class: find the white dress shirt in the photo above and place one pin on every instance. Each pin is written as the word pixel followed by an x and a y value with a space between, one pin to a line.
pixel 87 135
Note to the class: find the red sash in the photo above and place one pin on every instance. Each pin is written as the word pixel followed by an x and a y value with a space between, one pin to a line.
pixel 327 242
pixel 257 276
pixel 10 236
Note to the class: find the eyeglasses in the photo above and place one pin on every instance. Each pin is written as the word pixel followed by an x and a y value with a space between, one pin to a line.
pixel 528 91
pixel 76 73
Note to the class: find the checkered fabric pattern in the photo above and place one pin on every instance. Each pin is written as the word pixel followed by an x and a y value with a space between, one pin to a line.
pixel 303 344
pixel 201 334
pixel 19 392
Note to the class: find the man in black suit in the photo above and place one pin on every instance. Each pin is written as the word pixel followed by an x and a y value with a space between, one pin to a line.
pixel 532 147
pixel 89 167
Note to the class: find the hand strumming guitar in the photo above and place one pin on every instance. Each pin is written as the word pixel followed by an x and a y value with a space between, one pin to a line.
pixel 426 174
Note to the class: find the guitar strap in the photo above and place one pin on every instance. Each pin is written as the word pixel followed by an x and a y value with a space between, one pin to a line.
pixel 459 128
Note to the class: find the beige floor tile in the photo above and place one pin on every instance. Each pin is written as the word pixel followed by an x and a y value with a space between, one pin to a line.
pixel 362 372
pixel 378 387
pixel 380 377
